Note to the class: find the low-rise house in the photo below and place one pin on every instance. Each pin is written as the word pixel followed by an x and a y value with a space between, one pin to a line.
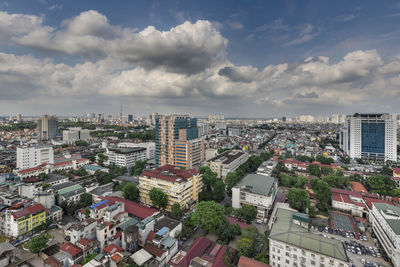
pixel 73 252
pixel 85 229
pixel 227 161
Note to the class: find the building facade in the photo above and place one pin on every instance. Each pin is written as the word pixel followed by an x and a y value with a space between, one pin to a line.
pixel 226 162
pixel 178 142
pixel 125 157
pixel 73 134
pixel 385 221
pixel 181 186
pixel 256 190
pixel 370 136
pixel 150 148
pixel 33 156
pixel 47 127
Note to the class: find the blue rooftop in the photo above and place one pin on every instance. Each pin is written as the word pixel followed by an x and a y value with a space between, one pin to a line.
pixel 162 231
pixel 98 204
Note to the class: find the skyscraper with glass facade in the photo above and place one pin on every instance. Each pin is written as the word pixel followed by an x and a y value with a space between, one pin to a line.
pixel 370 136
pixel 178 142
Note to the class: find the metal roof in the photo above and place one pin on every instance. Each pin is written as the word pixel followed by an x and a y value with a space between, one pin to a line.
pixel 257 183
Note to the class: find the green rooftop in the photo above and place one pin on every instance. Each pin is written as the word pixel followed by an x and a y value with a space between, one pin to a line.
pixel 258 184
pixel 391 214
pixel 286 231
pixel 69 189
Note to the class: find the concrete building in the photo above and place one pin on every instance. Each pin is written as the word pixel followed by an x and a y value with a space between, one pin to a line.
pixel 125 157
pixel 385 221
pixel 150 148
pixel 74 134
pixel 291 244
pixel 370 136
pixel 178 142
pixel 47 127
pixel 255 190
pixel 17 223
pixel 84 229
pixel 227 161
pixel 33 156
pixel 181 186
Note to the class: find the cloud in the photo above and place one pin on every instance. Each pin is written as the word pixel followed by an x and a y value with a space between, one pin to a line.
pixel 187 48
pixel 305 33
pixel 276 25
pixel 55 7
pixel 12 25
pixel 307 95
pixel 234 25
pixel 392 15
pixel 347 17
pixel 238 74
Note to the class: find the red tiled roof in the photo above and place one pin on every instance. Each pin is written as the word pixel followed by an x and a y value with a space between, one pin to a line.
pixel 71 249
pixel 346 192
pixel 52 262
pixel 38 168
pixel 170 173
pixel 396 171
pixel 151 236
pixel 197 249
pixel 153 250
pixel 247 262
pixel 32 209
pixel 116 257
pixel 358 187
pixel 233 220
pixel 396 178
pixel 112 248
pixel 84 242
pixel 118 235
pixel 132 207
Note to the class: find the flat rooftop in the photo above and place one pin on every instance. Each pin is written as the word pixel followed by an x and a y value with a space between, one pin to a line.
pixel 170 173
pixel 285 230
pixel 257 183
pixel 391 214
pixel 120 150
pixel 228 156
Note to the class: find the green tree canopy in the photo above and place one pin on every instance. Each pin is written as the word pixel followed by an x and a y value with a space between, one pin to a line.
pixel 36 244
pixel 130 191
pixel 176 211
pixel 380 184
pixel 247 213
pixel 158 198
pixel 313 169
pixel 298 199
pixel 209 214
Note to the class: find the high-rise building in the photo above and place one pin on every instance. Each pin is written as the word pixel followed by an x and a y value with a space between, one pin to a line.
pixel 73 134
pixel 47 127
pixel 130 117
pixel 370 136
pixel 178 142
pixel 19 117
pixel 33 156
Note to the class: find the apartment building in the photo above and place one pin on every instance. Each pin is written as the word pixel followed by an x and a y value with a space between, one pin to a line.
pixel 33 156
pixel 150 148
pixel 17 223
pixel 84 229
pixel 178 141
pixel 291 244
pixel 181 186
pixel 385 221
pixel 47 127
pixel 125 157
pixel 74 134
pixel 256 190
pixel 227 161
pixel 370 136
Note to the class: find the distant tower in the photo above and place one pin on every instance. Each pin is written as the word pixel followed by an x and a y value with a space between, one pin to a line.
pixel 47 127
pixel 19 117
pixel 120 114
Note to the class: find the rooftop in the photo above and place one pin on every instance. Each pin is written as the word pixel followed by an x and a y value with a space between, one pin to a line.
pixel 170 173
pixel 247 262
pixel 257 183
pixel 391 214
pixel 71 249
pixel 120 150
pixel 30 210
pixel 286 231
pixel 228 156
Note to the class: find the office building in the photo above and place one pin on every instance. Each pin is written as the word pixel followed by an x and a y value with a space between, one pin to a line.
pixel 74 134
pixel 47 127
pixel 150 148
pixel 17 223
pixel 385 221
pixel 256 190
pixel 33 156
pixel 125 157
pixel 19 117
pixel 291 244
pixel 130 117
pixel 178 142
pixel 181 186
pixel 370 136
pixel 227 161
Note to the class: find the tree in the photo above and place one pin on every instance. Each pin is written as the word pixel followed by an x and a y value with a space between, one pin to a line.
pixel 45 185
pixel 387 171
pixel 324 160
pixel 158 198
pixel 326 170
pixel 87 212
pixel 85 200
pixel 214 188
pixel 380 184
pixel 88 258
pixel 313 169
pixel 245 247
pixel 38 243
pixel 176 211
pixel 138 168
pixel 130 191
pixel 209 214
pixel 247 213
pixel 323 193
pixel 298 199
pixel 101 158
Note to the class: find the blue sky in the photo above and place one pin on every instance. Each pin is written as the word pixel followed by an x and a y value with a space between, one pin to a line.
pixel 239 58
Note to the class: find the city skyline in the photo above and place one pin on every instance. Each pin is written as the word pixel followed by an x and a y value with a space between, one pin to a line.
pixel 241 59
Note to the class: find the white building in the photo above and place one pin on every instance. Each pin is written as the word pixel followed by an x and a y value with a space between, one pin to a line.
pixel 255 190
pixel 29 190
pixel 84 229
pixel 385 221
pixel 370 136
pixel 125 157
pixel 33 156
pixel 73 134
pixel 226 162
pixel 150 148
pixel 291 244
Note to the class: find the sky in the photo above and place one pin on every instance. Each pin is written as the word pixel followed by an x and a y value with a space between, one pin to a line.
pixel 242 58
